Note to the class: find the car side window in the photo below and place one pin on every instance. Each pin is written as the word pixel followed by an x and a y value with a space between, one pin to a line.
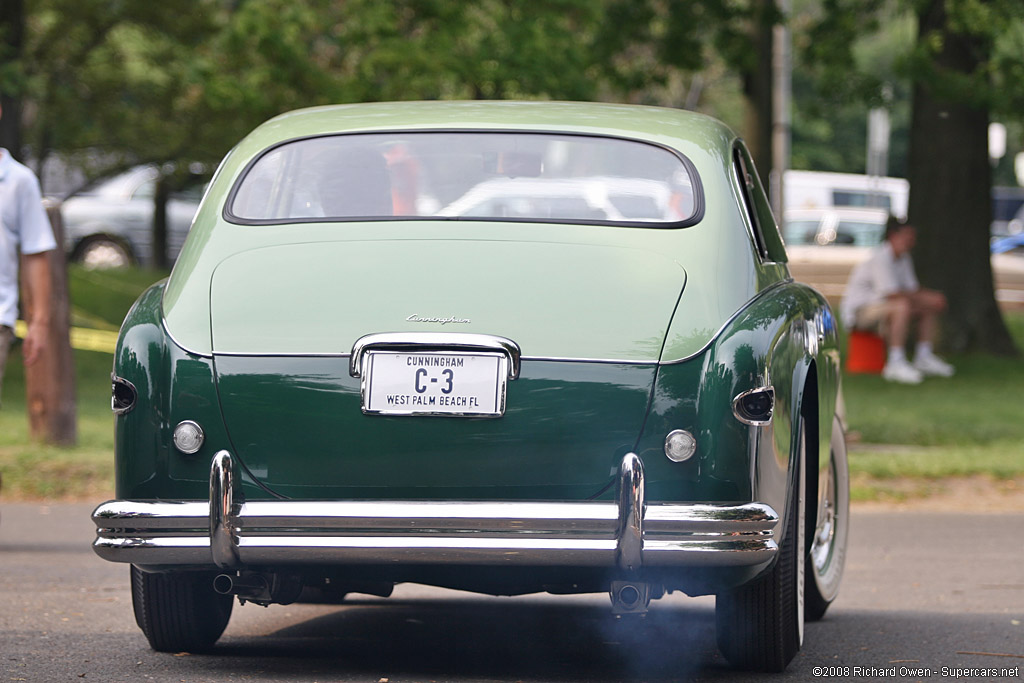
pixel 767 237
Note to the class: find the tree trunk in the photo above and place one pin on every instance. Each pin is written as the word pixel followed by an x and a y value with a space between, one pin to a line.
pixel 162 194
pixel 12 37
pixel 757 87
pixel 950 192
pixel 50 381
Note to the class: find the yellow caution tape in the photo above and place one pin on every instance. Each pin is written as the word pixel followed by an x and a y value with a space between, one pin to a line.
pixel 82 338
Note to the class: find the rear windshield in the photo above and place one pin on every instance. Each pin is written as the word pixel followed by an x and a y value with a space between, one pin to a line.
pixel 470 175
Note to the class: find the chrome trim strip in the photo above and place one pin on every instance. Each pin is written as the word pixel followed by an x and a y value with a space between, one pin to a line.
pixel 545 359
pixel 604 361
pixel 628 533
pixel 447 341
pixel 278 354
pixel 155 551
pixel 422 550
pixel 163 515
pixel 421 516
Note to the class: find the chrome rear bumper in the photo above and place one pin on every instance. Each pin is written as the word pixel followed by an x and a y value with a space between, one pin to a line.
pixel 628 534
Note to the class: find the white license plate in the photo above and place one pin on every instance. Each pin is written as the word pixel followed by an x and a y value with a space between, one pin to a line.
pixel 434 383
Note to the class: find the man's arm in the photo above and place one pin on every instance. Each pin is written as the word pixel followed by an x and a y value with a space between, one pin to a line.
pixel 37 279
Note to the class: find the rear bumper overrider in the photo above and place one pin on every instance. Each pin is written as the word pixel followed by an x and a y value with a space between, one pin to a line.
pixel 627 534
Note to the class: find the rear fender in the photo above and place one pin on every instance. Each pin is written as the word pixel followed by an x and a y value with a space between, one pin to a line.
pixel 171 385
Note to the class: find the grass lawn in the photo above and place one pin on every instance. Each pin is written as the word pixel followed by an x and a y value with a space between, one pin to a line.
pixel 906 440
pixel 32 471
pixel 965 426
pixel 49 472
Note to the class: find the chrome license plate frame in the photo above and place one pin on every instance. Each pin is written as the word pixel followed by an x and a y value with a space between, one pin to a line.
pixel 434 383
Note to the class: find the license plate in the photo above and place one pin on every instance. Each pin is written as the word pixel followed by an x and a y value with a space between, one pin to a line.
pixel 466 384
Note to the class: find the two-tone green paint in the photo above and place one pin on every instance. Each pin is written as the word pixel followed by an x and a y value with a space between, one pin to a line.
pixel 296 424
pixel 710 253
pixel 250 335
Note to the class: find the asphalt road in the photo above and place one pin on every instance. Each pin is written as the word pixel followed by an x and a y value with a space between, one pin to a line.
pixel 922 590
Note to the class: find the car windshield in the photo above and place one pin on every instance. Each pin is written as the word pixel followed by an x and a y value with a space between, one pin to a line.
pixel 472 175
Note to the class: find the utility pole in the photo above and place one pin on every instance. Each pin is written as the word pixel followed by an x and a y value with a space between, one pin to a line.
pixel 878 150
pixel 782 95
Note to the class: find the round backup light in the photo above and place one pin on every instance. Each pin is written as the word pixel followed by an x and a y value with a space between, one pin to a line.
pixel 188 437
pixel 680 445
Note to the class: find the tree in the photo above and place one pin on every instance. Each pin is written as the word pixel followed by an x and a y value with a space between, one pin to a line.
pixel 950 174
pixel 647 44
pixel 843 67
pixel 146 83
pixel 12 39
pixel 964 63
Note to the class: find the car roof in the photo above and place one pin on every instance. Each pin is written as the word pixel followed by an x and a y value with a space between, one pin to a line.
pixel 120 185
pixel 671 127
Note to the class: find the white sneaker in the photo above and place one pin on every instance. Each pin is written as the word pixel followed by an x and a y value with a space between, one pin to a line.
pixel 902 371
pixel 930 364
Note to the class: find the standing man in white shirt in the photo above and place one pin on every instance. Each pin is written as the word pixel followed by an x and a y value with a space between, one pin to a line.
pixel 24 230
pixel 883 294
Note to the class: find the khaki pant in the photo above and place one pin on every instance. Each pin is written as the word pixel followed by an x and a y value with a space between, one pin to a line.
pixel 873 317
pixel 6 339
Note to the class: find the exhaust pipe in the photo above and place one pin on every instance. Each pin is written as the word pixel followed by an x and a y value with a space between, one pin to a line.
pixel 632 597
pixel 262 589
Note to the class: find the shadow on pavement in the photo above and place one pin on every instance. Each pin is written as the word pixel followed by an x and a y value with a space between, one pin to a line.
pixel 530 640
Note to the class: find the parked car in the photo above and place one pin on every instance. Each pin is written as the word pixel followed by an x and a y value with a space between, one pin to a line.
pixel 109 224
pixel 1009 243
pixel 616 199
pixel 823 190
pixel 825 244
pixel 834 226
pixel 341 387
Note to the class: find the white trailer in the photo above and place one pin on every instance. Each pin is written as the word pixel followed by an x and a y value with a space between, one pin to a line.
pixel 820 190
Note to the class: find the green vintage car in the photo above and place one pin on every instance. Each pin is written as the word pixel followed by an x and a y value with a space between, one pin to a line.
pixel 502 347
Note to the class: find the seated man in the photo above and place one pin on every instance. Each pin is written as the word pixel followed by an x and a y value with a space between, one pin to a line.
pixel 883 294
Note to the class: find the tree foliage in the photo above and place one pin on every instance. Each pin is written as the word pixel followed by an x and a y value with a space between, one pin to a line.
pixel 961 66
pixel 181 80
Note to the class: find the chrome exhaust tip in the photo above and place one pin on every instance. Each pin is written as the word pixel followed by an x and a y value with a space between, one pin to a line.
pixel 262 589
pixel 631 597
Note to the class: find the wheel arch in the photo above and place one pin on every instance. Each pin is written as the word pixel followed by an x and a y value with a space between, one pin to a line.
pixel 810 414
pixel 83 242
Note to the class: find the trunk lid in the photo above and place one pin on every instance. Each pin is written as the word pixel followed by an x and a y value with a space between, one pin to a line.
pixel 590 322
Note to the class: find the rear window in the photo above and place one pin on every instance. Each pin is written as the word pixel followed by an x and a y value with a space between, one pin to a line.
pixel 468 175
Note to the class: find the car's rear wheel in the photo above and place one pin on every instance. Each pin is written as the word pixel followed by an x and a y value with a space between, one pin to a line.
pixel 179 611
pixel 827 553
pixel 760 625
pixel 103 252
